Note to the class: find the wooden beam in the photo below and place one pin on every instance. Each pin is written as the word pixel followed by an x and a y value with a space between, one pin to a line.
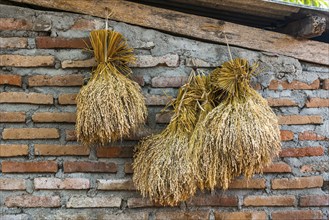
pixel 311 26
pixel 198 27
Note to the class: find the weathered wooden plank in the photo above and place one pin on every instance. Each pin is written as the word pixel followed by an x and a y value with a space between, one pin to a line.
pixel 196 27
pixel 308 27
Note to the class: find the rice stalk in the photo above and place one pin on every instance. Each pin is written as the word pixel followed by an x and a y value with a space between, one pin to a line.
pixel 110 106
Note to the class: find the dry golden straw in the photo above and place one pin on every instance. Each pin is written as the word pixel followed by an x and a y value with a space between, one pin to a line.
pixel 111 105
pixel 239 136
pixel 162 166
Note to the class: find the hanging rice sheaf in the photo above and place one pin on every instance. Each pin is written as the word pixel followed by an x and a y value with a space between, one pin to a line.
pixel 239 136
pixel 110 106
pixel 163 169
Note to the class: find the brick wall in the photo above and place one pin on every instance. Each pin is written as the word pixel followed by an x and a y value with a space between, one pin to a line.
pixel 45 174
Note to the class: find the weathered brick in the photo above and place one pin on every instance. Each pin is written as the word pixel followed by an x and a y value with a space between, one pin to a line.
pixel 302 152
pixel 128 168
pixel 12 116
pixel 15 24
pixel 180 215
pixel 297 214
pixel 67 99
pixel 26 61
pixel 13 42
pixel 79 63
pixel 29 201
pixel 281 102
pixel 170 60
pixel 314 200
pixel 298 183
pixel 84 25
pixel 141 203
pixel 311 136
pixel 26 98
pixel 12 184
pixel 96 202
pixel 15 217
pixel 325 84
pixel 59 42
pixel 63 80
pixel 248 184
pixel 10 79
pixel 163 117
pixel 89 167
pixel 29 167
pixel 115 152
pixel 286 135
pixel 300 119
pixel 60 150
pixel 70 135
pixel 115 184
pixel 56 183
pixel 157 99
pixel 256 215
pixel 317 103
pixel 29 133
pixel 269 201
pixel 138 79
pixel 315 167
pixel 168 81
pixel 13 150
pixel 196 62
pixel 224 201
pixel 279 167
pixel 124 216
pixel 66 117
pixel 294 85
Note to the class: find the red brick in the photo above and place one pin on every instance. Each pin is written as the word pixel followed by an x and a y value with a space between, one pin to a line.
pixel 300 119
pixel 181 215
pixel 294 85
pixel 128 168
pixel 79 63
pixel 269 201
pixel 66 117
pixel 286 135
pixel 248 184
pixel 280 167
pixel 95 202
pixel 56 183
pixel 29 167
pixel 141 203
pixel 64 80
pixel 67 99
pixel 26 61
pixel 58 42
pixel 155 100
pixel 311 136
pixel 60 150
pixel 29 133
pixel 10 79
pixel 302 152
pixel 13 42
pixel 240 215
pixel 15 24
pixel 169 81
pixel 89 167
pixel 12 116
pixel 12 184
pixel 28 201
pixel 26 98
pixel 70 135
pixel 281 102
pixel 297 214
pixel 314 200
pixel 317 103
pixel 115 184
pixel 224 201
pixel 115 152
pixel 325 84
pixel 84 25
pixel 13 150
pixel 298 183
pixel 163 117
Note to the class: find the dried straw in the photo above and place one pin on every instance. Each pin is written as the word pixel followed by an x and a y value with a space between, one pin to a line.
pixel 239 136
pixel 162 164
pixel 111 105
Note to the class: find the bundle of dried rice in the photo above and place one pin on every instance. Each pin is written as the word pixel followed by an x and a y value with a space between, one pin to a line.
pixel 111 105
pixel 163 169
pixel 239 136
